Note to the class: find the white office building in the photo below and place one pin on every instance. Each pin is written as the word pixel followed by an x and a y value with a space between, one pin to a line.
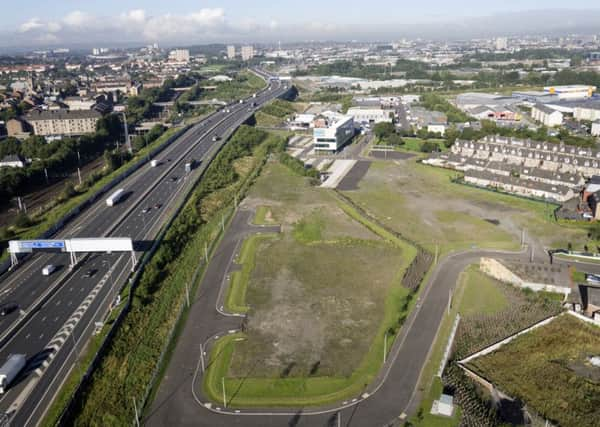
pixel 230 51
pixel 371 115
pixel 501 43
pixel 332 133
pixel 247 53
pixel 179 55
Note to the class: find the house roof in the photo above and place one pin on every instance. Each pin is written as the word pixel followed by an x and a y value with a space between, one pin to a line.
pixel 62 114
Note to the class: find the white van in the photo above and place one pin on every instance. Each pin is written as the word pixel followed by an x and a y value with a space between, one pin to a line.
pixel 48 270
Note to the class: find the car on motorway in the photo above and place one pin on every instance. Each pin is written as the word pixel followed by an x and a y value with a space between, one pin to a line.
pixel 174 178
pixel 215 138
pixel 8 308
pixel 146 209
pixel 158 206
pixel 89 273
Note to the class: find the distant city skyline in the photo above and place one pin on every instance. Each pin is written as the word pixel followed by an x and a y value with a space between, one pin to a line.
pixel 187 22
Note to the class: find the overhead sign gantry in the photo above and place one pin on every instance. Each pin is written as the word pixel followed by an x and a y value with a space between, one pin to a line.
pixel 72 246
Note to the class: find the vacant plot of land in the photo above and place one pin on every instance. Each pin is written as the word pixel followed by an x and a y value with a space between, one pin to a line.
pixel 423 204
pixel 314 307
pixel 320 297
pixel 480 294
pixel 549 368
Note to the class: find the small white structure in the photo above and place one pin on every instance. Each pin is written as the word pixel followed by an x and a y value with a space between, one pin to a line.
pixel 443 406
pixel 436 128
pixel 596 129
pixel 12 161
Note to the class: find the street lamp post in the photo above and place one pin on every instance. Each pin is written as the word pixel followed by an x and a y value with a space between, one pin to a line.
pixel 127 140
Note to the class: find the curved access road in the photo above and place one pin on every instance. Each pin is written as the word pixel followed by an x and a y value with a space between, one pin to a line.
pixel 179 400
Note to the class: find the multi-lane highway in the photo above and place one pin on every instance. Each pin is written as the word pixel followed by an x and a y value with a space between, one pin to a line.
pixel 55 331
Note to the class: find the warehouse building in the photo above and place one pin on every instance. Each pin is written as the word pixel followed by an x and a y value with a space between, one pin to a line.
pixel 371 114
pixel 546 115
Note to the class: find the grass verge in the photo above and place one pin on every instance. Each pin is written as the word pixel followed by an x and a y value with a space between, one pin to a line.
pixel 235 301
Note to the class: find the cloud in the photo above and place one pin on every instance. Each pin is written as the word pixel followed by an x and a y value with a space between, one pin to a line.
pixel 78 19
pixel 206 25
pixel 32 24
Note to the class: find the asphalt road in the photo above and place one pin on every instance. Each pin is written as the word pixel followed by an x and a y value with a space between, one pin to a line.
pixel 179 400
pixel 92 296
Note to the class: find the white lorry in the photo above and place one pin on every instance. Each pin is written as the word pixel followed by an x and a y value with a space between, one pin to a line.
pixel 48 270
pixel 114 198
pixel 8 372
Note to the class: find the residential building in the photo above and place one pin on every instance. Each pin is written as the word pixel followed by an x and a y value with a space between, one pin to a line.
pixel 596 129
pixel 247 53
pixel 546 115
pixel 179 55
pixel 332 132
pixel 230 52
pixel 63 122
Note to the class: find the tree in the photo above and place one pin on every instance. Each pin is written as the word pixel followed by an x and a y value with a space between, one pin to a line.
pixel 383 129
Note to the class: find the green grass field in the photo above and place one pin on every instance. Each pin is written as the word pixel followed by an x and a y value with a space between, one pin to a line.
pixel 475 293
pixel 549 369
pixel 414 144
pixel 330 346
pixel 423 204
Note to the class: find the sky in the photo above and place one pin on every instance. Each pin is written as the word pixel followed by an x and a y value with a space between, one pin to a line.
pixel 85 22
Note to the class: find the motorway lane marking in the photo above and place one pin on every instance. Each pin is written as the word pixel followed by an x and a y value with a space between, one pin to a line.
pixel 27 336
pixel 58 302
pixel 44 319
pixel 41 335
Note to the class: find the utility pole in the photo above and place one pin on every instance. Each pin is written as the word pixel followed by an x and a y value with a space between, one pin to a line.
pixel 202 357
pixel 137 419
pixel 385 346
pixel 127 141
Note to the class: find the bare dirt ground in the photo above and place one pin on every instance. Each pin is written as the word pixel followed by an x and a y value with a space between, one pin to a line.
pixel 317 292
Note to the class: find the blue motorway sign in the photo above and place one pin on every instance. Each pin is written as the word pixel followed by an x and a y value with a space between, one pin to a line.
pixel 42 244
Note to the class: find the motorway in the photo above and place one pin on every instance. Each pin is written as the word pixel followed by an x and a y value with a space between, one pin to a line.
pixel 58 329
pixel 387 400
